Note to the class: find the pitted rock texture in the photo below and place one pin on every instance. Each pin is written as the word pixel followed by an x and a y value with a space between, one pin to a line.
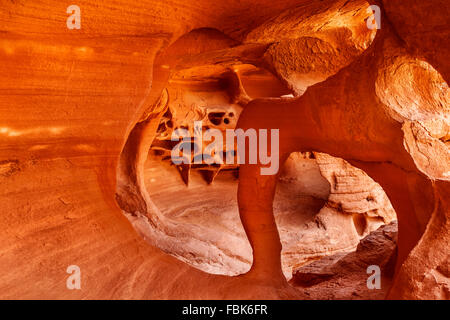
pixel 310 224
pixel 363 117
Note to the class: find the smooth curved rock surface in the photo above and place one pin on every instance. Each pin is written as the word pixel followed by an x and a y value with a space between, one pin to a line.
pixel 364 126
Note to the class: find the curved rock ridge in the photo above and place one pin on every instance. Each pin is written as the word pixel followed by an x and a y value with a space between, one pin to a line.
pixel 86 117
pixel 347 273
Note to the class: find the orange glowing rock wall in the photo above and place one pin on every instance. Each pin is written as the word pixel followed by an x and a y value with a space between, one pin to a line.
pixel 79 111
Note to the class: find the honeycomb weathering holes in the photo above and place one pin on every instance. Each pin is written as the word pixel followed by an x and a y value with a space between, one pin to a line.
pixel 215 97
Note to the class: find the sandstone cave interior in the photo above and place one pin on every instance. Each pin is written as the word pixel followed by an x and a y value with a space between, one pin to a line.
pixel 363 115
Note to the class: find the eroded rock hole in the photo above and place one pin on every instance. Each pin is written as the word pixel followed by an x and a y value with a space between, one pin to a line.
pixel 192 210
pixel 360 223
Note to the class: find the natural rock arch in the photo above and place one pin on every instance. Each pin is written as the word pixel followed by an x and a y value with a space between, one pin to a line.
pixel 321 110
pixel 376 146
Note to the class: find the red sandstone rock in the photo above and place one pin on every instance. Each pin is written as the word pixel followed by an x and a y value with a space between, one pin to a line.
pixel 363 118
pixel 347 273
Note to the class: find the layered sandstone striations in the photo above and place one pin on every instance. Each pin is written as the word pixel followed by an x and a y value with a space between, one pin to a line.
pixel 85 117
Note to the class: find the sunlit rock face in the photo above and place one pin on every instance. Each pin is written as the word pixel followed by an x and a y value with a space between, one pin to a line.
pixel 87 116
